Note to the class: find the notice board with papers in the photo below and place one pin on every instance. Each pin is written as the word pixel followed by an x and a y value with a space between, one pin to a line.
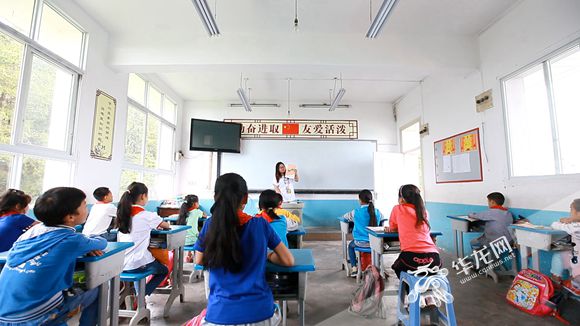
pixel 458 158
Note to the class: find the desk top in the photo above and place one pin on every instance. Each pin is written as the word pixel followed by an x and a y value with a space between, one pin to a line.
pixel 303 262
pixel 300 231
pixel 395 235
pixel 544 230
pixel 112 248
pixel 462 218
pixel 174 229
pixel 171 218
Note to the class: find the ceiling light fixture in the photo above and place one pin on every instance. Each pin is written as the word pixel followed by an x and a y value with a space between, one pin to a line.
pixel 206 17
pixel 381 18
pixel 296 28
pixel 256 105
pixel 322 106
pixel 242 94
pixel 334 103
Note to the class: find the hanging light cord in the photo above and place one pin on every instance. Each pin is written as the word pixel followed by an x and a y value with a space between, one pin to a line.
pixel 288 96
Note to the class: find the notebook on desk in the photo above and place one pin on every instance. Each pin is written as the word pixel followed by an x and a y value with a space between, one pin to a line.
pixel 465 217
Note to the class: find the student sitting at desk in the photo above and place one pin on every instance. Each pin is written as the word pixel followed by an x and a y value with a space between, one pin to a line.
pixel 189 214
pixel 292 220
pixel 497 220
pixel 135 225
pixel 35 284
pixel 268 202
pixel 410 220
pixel 102 215
pixel 233 246
pixel 569 259
pixel 13 221
pixel 365 215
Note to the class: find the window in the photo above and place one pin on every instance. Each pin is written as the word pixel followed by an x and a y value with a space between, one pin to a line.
pixel 38 92
pixel 411 150
pixel 149 142
pixel 541 112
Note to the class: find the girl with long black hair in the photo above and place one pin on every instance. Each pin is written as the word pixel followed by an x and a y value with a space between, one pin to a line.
pixel 233 246
pixel 410 220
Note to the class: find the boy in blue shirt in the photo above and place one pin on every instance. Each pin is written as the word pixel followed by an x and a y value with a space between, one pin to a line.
pixel 497 220
pixel 39 270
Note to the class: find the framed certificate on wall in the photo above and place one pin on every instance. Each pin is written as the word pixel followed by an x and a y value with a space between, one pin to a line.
pixel 103 126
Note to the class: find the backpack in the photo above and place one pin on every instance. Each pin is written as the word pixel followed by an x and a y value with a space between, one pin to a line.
pixel 366 299
pixel 197 320
pixel 533 292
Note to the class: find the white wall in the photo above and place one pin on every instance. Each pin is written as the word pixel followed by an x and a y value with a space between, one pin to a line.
pixel 375 121
pixel 531 30
pixel 91 173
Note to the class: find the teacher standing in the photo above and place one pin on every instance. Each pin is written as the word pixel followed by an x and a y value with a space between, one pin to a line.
pixel 285 185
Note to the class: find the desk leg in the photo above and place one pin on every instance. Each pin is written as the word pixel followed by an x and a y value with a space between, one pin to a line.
pixel 180 276
pixel 176 275
pixel 103 299
pixel 536 259
pixel 114 301
pixel 300 241
pixel 455 243
pixel 524 252
pixel 461 244
pixel 302 279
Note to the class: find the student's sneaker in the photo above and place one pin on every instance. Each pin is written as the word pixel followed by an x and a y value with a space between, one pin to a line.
pixel 353 272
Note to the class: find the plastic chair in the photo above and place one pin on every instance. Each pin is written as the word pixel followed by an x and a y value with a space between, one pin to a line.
pixel 411 316
pixel 359 251
pixel 142 311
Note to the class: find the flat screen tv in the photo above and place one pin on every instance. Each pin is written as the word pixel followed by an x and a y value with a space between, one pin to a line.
pixel 215 136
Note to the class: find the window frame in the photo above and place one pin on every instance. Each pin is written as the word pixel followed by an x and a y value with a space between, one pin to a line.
pixel 141 169
pixel 32 48
pixel 545 63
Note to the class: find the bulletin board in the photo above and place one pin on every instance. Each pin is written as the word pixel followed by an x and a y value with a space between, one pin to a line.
pixel 458 158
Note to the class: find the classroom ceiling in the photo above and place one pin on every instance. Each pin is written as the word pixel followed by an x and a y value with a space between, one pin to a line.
pixel 167 38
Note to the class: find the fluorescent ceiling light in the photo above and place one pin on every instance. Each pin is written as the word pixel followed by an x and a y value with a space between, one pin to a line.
pixel 322 106
pixel 206 17
pixel 258 105
pixel 337 99
pixel 381 18
pixel 244 99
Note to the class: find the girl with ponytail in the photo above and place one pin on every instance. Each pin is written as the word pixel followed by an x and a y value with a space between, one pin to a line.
pixel 268 203
pixel 365 215
pixel 189 214
pixel 233 246
pixel 410 220
pixel 135 225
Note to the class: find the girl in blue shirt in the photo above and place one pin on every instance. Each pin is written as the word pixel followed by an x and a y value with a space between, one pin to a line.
pixel 268 202
pixel 233 246
pixel 13 221
pixel 365 215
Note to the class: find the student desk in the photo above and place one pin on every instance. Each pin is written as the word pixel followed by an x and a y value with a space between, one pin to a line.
pixel 171 219
pixel 298 234
pixel 379 238
pixel 346 227
pixel 535 239
pixel 173 239
pixel 459 225
pixel 303 263
pixel 99 270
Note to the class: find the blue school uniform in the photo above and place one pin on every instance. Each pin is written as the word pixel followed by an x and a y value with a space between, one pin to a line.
pixel 11 227
pixel 243 297
pixel 361 219
pixel 39 267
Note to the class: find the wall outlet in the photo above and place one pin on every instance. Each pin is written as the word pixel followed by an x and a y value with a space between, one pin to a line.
pixel 484 101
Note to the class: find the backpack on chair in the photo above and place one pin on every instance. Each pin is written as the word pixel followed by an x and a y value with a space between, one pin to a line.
pixel 367 301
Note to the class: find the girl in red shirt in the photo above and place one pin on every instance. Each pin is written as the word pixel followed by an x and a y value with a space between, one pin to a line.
pixel 410 220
